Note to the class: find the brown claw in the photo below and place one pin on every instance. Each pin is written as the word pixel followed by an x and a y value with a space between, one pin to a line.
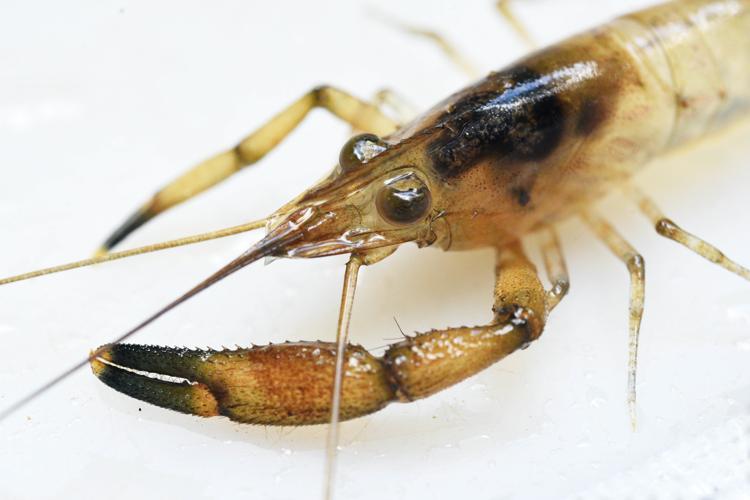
pixel 290 384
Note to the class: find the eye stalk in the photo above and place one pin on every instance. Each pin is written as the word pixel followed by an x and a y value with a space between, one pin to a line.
pixel 404 200
pixel 359 150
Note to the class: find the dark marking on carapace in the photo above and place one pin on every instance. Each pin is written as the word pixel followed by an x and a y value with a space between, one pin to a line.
pixel 592 113
pixel 515 114
pixel 522 180
pixel 522 195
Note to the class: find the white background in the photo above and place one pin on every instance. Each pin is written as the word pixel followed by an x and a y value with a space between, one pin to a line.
pixel 101 102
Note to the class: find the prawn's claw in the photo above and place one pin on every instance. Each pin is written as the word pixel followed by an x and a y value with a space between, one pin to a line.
pixel 284 384
pixel 290 383
pixel 135 369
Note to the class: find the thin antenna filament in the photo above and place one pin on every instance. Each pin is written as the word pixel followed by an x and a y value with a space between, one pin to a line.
pixel 342 339
pixel 188 240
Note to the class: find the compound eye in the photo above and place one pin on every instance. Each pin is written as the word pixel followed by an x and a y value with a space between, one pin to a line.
pixel 359 150
pixel 404 200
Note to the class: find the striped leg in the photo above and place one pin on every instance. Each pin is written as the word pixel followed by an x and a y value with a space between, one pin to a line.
pixel 359 114
pixel 665 227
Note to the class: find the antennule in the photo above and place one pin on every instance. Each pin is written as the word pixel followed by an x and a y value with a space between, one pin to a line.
pixel 106 257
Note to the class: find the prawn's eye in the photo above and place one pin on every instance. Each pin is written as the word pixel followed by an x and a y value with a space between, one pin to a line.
pixel 359 150
pixel 404 200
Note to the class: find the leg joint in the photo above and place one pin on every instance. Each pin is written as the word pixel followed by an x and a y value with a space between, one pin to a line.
pixel 667 228
pixel 521 317
pixel 320 93
pixel 636 264
pixel 560 287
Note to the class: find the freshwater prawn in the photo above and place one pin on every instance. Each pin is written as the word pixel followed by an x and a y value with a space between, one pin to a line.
pixel 513 154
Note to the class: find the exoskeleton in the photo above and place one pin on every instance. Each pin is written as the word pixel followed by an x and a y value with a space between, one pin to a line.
pixel 510 155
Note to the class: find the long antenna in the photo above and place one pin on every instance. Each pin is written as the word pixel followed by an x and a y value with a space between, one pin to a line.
pixel 342 340
pixel 188 240
pixel 264 248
